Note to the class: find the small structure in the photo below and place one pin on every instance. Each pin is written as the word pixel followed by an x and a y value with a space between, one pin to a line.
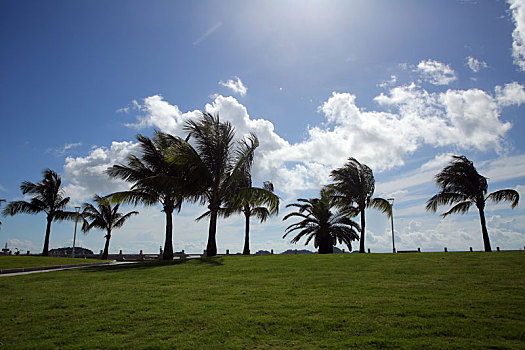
pixel 6 251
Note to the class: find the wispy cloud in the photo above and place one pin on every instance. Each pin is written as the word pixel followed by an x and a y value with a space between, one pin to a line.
pixel 207 33
pixel 475 65
pixel 60 151
pixel 236 85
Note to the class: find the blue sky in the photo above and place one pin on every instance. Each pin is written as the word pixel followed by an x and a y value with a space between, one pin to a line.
pixel 398 85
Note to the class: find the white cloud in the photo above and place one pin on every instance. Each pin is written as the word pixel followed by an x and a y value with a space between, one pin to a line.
pixel 86 175
pixel 475 65
pixel 510 94
pixel 62 150
pixel 435 72
pixel 236 86
pixel 387 83
pixel 517 8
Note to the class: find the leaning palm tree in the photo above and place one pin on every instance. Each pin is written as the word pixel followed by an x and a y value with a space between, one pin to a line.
pixel 321 224
pixel 214 164
pixel 46 196
pixel 103 217
pixel 461 184
pixel 352 191
pixel 154 179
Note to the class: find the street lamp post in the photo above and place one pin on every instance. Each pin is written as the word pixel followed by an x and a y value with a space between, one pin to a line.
pixel 77 209
pixel 391 200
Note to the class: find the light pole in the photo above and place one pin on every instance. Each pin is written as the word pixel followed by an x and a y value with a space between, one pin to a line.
pixel 391 201
pixel 77 209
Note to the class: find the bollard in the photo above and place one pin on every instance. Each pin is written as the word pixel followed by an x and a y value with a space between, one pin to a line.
pixel 419 250
pixel 227 252
pixel 369 250
pixel 471 249
pixel 271 252
pixel 497 249
pixel 446 249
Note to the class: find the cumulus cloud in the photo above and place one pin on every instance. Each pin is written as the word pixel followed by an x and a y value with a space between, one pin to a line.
pixel 510 94
pixel 435 72
pixel 236 86
pixel 86 175
pixel 517 8
pixel 475 65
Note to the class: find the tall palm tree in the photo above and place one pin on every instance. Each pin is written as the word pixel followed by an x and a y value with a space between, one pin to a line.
pixel 462 185
pixel 214 163
pixel 321 224
pixel 154 179
pixel 46 196
pixel 104 217
pixel 352 191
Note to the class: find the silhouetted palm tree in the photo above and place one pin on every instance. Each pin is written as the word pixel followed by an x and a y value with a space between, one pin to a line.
pixel 321 224
pixel 1 201
pixel 352 191
pixel 461 184
pixel 103 217
pixel 155 180
pixel 214 164
pixel 48 197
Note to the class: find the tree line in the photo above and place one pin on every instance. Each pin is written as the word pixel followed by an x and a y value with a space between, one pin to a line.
pixel 210 168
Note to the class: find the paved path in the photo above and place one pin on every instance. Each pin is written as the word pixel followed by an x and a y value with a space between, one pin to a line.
pixel 29 270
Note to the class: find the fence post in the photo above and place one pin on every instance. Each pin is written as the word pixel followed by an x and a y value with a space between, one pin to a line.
pixel 446 249
pixel 368 250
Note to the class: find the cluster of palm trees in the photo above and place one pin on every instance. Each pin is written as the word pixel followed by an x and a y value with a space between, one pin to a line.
pixel 209 167
pixel 326 220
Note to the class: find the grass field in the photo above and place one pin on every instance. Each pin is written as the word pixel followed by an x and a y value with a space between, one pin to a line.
pixel 428 300
pixel 14 261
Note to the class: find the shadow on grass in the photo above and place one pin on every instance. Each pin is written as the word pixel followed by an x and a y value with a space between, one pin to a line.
pixel 214 261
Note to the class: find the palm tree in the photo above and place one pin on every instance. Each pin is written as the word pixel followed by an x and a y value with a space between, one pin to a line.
pixel 1 201
pixel 103 217
pixel 321 224
pixel 154 179
pixel 352 192
pixel 48 197
pixel 214 163
pixel 461 184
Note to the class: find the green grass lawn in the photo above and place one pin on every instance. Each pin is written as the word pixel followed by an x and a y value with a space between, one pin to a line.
pixel 17 261
pixel 428 300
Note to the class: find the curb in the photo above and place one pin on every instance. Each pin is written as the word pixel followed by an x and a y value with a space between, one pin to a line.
pixel 53 267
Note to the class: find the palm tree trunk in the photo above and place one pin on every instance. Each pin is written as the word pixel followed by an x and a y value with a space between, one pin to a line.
pixel 246 250
pixel 362 240
pixel 167 254
pixel 326 245
pixel 486 239
pixel 45 251
pixel 106 246
pixel 211 247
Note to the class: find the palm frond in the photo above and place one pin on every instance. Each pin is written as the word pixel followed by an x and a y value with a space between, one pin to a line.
pixel 382 205
pixel 508 195
pixel 461 208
